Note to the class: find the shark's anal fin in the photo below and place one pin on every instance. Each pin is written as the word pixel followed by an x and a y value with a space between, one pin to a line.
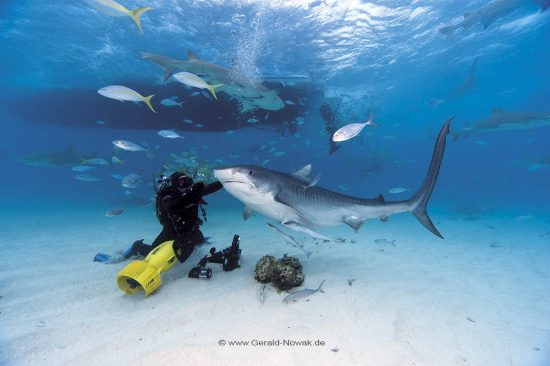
pixel 354 222
pixel 247 212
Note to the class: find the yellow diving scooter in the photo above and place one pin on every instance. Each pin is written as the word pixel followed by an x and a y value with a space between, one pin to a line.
pixel 145 275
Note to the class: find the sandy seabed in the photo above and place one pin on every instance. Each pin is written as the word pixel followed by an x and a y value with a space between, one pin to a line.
pixel 479 297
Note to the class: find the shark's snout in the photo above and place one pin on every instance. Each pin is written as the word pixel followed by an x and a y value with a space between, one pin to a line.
pixel 223 174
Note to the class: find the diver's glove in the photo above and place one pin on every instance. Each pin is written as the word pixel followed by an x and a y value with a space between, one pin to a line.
pixel 133 250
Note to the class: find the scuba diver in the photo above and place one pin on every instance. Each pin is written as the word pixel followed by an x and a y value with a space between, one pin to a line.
pixel 178 200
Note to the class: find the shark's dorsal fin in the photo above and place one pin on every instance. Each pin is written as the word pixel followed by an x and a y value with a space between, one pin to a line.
pixel 380 198
pixel 354 222
pixel 247 212
pixel 303 174
pixel 192 56
pixel 497 110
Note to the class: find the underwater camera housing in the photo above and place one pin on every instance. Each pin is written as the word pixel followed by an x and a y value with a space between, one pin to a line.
pixel 229 259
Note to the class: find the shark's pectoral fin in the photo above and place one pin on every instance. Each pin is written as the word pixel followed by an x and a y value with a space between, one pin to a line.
pixel 354 222
pixel 247 212
pixel 293 215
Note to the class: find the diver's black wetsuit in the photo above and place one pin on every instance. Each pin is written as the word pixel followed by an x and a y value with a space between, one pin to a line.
pixel 177 204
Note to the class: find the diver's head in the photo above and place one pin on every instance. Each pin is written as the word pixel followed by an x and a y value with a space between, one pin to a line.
pixel 181 181
pixel 177 181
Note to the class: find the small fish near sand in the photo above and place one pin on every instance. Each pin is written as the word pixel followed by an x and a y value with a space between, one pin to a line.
pixel 114 212
pixel 169 134
pixel 302 294
pixel 193 80
pixel 353 129
pixel 124 94
pixel 114 9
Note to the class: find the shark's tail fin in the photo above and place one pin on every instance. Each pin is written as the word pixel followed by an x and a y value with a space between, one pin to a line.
pixel 419 201
pixel 136 14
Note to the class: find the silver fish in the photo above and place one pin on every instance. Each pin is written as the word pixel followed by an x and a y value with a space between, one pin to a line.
pixel 169 102
pixel 302 294
pixel 170 134
pixel 353 129
pixel 114 212
pixel 96 161
pixel 86 178
pixel 397 190
pixel 131 181
pixel 129 146
pixel 81 168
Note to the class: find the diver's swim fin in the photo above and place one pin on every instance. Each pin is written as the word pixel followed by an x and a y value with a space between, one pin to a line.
pixel 103 258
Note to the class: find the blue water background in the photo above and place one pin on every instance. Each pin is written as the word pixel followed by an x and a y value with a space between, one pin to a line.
pixel 367 50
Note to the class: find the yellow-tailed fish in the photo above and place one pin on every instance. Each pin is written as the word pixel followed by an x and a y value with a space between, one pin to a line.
pixel 193 80
pixel 114 9
pixel 123 93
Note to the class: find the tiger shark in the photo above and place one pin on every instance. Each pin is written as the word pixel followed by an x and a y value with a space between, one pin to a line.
pixel 490 13
pixel 282 197
pixel 500 120
pixel 251 94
